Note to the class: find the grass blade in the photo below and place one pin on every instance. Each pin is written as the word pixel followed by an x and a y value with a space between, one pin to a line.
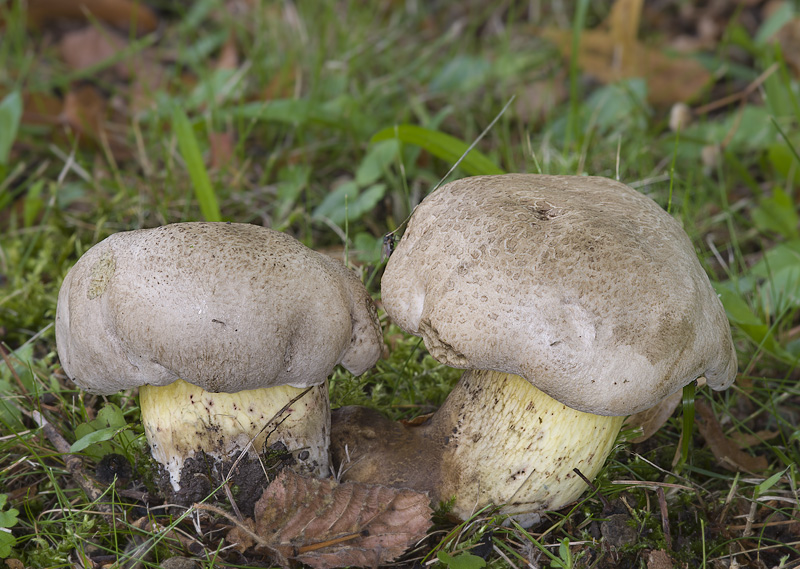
pixel 190 150
pixel 10 115
pixel 443 146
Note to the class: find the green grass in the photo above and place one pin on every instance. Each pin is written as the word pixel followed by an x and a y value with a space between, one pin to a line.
pixel 344 116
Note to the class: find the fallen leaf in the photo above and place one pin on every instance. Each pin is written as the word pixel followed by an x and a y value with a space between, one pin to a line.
pixel 84 110
pixel 222 146
pixel 536 100
pixel 85 113
pixel 229 55
pixel 41 108
pixel 651 420
pixel 747 440
pixel 91 45
pixel 788 36
pixel 623 24
pixel 725 450
pixel 416 421
pixel 122 14
pixel 325 524
pixel 612 52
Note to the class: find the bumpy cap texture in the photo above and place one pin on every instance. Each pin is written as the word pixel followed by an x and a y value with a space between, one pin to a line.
pixel 582 285
pixel 225 306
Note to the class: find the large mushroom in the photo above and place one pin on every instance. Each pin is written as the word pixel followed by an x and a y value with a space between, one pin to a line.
pixel 572 302
pixel 220 326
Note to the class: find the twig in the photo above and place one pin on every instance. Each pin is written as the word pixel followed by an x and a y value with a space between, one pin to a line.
pixel 606 504
pixel 334 541
pixel 242 527
pixel 280 412
pixel 73 464
pixel 662 505
pixel 744 93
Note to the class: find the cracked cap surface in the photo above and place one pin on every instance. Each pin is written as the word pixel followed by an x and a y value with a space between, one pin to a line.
pixel 225 306
pixel 582 285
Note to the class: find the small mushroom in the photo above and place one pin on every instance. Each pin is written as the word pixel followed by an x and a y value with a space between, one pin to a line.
pixel 572 302
pixel 220 326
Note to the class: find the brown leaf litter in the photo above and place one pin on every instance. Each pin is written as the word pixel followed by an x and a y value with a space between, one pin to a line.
pixel 613 52
pixel 725 450
pixel 325 524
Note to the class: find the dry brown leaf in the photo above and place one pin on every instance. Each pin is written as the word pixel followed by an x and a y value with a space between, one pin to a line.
pixel 84 110
pixel 91 45
pixel 536 100
pixel 651 420
pixel 416 421
pixel 229 55
pixel 123 14
pixel 623 27
pixel 668 79
pixel 726 451
pixel 222 146
pixel 789 39
pixel 41 108
pixel 85 113
pixel 613 52
pixel 747 440
pixel 324 524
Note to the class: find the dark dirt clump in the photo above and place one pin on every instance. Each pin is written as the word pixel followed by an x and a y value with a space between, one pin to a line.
pixel 246 478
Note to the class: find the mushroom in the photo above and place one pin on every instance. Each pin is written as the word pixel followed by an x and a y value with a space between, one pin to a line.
pixel 220 326
pixel 572 302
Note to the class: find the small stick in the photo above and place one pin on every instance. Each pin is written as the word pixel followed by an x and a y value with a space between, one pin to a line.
pixel 242 527
pixel 662 505
pixel 606 504
pixel 334 541
pixel 73 464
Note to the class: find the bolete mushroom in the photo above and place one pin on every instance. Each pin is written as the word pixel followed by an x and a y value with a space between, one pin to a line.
pixel 219 325
pixel 572 302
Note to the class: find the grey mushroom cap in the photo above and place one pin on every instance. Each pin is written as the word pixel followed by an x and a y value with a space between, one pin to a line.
pixel 227 307
pixel 582 285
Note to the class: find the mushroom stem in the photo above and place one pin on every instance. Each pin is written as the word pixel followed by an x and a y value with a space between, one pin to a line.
pixel 181 419
pixel 496 440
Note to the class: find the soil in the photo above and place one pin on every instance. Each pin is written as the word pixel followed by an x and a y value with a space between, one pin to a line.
pixel 246 479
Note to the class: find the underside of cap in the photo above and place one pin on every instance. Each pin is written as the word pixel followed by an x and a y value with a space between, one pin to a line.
pixel 227 307
pixel 581 285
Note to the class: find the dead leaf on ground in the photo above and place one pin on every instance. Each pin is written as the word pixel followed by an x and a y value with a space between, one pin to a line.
pixel 613 52
pixel 222 146
pixel 40 108
pixel 84 110
pixel 416 421
pixel 747 440
pixel 91 45
pixel 229 55
pixel 536 100
pixel 85 113
pixel 789 39
pixel 651 420
pixel 122 14
pixel 725 450
pixel 324 524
